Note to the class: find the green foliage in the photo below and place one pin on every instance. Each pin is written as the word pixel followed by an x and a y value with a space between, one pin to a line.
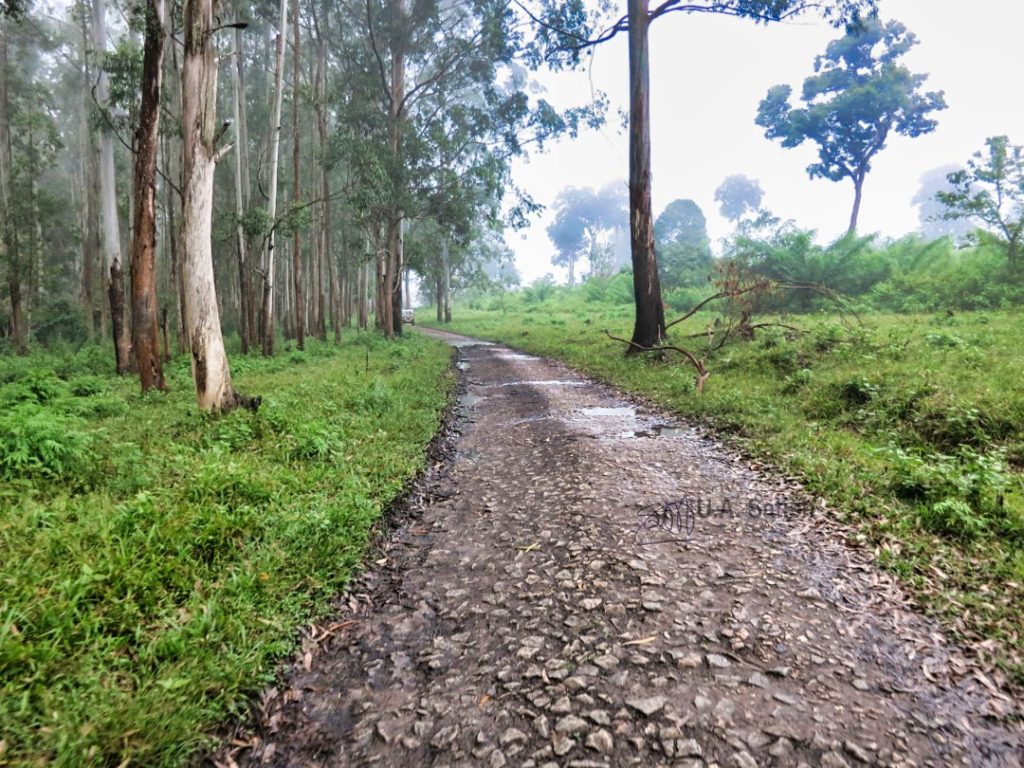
pixel 540 290
pixel 858 96
pixel 990 192
pixel 35 442
pixel 157 562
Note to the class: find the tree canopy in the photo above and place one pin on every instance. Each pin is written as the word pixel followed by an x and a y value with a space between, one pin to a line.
pixel 857 97
pixel 738 195
pixel 584 221
pixel 990 192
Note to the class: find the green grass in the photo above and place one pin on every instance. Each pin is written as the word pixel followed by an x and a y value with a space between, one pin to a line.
pixel 155 563
pixel 912 427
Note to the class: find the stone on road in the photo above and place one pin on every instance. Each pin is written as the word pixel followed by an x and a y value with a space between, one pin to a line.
pixel 587 584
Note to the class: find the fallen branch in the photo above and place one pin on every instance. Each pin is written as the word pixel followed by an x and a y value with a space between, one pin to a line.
pixel 698 365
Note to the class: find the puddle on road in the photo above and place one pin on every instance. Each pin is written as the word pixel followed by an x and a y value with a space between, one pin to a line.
pixel 469 400
pixel 462 365
pixel 463 343
pixel 623 422
pixel 618 411
pixel 545 383
pixel 515 356
pixel 659 430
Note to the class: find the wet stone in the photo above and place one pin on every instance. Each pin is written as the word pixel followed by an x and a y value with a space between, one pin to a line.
pixel 600 741
pixel 571 724
pixel 562 745
pixel 647 706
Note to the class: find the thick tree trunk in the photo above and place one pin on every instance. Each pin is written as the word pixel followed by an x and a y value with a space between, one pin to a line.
pixel 300 299
pixel 858 186
pixel 379 285
pixel 144 301
pixel 391 295
pixel 172 164
pixel 363 288
pixel 8 241
pixel 108 199
pixel 446 281
pixel 241 196
pixel 90 191
pixel 210 371
pixel 649 327
pixel 267 329
pixel 396 253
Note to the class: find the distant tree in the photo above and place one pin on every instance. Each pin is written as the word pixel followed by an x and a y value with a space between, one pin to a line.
pixel 682 222
pixel 681 235
pixel 931 213
pixel 738 195
pixel 584 220
pixel 990 192
pixel 859 94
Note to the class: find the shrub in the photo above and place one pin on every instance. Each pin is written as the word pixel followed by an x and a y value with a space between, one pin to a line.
pixel 35 442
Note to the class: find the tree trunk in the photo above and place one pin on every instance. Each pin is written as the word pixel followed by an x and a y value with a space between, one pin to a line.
pixel 241 196
pixel 172 164
pixel 391 296
pixel 8 241
pixel 210 371
pixel 446 281
pixel 649 327
pixel 300 303
pixel 108 199
pixel 90 190
pixel 144 301
pixel 858 186
pixel 267 329
pixel 362 288
pixel 396 252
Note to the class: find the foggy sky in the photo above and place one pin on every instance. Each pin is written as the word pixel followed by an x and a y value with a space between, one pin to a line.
pixel 708 75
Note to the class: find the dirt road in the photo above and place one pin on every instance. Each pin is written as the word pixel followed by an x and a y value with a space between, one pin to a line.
pixel 585 584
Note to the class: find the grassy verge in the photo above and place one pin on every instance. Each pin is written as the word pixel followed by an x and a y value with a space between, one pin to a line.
pixel 154 563
pixel 911 426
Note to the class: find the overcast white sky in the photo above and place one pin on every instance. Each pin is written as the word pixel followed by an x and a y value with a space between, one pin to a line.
pixel 708 75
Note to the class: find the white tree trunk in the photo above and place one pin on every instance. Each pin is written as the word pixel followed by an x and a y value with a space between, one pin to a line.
pixel 275 151
pixel 210 371
pixel 111 234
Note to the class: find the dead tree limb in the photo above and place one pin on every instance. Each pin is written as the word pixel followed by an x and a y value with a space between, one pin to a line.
pixel 698 365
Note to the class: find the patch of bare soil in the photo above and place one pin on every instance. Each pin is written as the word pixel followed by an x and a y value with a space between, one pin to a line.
pixel 587 584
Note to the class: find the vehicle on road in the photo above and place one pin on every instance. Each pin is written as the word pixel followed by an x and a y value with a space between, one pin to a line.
pixel 409 316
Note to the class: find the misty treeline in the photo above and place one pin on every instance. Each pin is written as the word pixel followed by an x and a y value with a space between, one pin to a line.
pixel 947 264
pixel 172 171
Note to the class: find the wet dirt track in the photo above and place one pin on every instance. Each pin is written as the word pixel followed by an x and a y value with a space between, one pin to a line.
pixel 586 584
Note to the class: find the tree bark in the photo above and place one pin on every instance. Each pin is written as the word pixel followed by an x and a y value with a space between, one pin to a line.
pixel 173 152
pixel 858 186
pixel 362 288
pixel 300 303
pixel 8 241
pixel 391 295
pixel 210 371
pixel 143 255
pixel 241 195
pixel 446 281
pixel 267 329
pixel 108 200
pixel 90 191
pixel 649 327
